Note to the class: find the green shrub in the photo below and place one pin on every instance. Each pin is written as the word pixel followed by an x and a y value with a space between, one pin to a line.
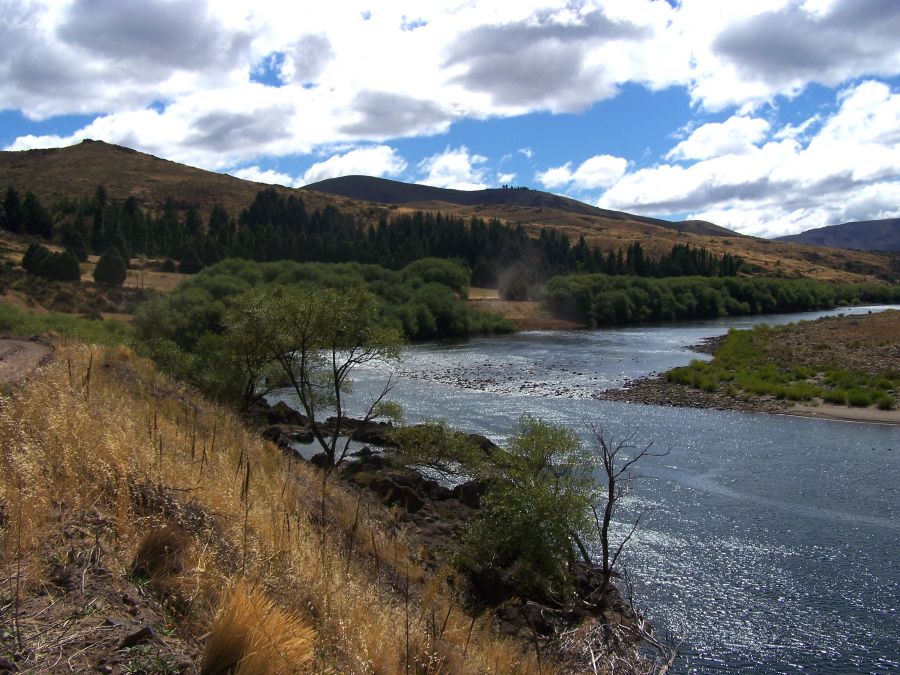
pixel 886 402
pixel 110 269
pixel 837 396
pixel 859 398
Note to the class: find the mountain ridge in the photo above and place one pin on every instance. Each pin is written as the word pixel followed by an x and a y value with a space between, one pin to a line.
pixel 859 235
pixel 392 192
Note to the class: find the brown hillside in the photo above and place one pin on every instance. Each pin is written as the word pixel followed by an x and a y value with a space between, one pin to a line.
pixel 74 172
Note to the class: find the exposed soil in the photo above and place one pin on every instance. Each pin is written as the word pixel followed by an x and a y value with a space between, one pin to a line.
pixel 524 314
pixel 88 615
pixel 19 357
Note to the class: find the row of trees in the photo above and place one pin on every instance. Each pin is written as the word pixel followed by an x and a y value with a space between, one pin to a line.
pixel 26 216
pixel 64 265
pixel 601 300
pixel 277 227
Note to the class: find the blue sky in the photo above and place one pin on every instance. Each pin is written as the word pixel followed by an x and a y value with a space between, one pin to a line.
pixel 768 117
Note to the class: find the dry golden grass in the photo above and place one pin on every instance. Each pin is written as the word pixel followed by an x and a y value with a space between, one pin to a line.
pixel 100 431
pixel 251 635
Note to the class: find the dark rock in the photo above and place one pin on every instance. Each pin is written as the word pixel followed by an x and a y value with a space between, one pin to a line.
pixel 7 666
pixel 375 433
pixel 489 586
pixel 436 491
pixel 282 413
pixel 405 498
pixel 366 451
pixel 393 494
pixel 303 436
pixel 470 493
pixel 320 460
pixel 139 637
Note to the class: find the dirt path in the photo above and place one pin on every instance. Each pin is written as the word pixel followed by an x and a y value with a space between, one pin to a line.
pixel 20 357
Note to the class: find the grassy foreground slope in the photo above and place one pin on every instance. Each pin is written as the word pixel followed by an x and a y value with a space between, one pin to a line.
pixel 127 503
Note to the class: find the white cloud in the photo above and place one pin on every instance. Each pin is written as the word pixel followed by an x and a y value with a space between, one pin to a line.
pixel 526 152
pixel 736 135
pixel 456 169
pixel 506 178
pixel 848 169
pixel 378 160
pixel 596 172
pixel 269 176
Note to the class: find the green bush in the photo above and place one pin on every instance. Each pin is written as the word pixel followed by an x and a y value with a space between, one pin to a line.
pixel 859 398
pixel 110 269
pixel 540 491
pixel 886 402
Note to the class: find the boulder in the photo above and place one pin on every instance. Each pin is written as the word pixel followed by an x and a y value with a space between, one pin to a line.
pixel 282 413
pixel 470 493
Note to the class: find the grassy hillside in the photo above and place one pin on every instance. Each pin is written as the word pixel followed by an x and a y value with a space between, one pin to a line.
pixel 143 528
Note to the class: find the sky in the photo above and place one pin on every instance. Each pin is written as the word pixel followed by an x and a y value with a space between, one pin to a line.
pixel 768 117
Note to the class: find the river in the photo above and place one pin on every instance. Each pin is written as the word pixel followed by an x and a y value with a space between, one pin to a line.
pixel 769 543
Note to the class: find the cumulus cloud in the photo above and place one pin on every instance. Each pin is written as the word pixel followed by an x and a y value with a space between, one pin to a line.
pixel 541 61
pixel 755 51
pixel 847 170
pixel 377 160
pixel 596 172
pixel 383 114
pixel 161 34
pixel 457 169
pixel 736 135
pixel 179 78
pixel 269 176
pixel 307 58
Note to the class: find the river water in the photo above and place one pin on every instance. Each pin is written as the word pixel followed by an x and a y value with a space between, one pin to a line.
pixel 769 543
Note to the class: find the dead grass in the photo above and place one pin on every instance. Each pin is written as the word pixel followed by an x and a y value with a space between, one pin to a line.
pixel 251 635
pixel 100 431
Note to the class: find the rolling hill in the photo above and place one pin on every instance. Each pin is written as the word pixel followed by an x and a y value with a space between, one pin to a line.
pixel 865 235
pixel 382 190
pixel 74 172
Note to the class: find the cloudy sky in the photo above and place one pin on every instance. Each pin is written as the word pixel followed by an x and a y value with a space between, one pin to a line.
pixel 769 117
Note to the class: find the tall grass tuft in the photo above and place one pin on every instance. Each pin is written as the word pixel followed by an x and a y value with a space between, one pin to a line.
pixel 250 635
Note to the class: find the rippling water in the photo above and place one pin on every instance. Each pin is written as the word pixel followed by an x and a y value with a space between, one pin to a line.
pixel 771 543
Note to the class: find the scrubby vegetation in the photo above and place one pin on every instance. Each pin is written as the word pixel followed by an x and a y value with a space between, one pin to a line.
pixel 20 323
pixel 101 453
pixel 185 330
pixel 774 361
pixel 602 300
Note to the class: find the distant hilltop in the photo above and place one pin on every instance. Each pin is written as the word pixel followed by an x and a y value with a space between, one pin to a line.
pixel 864 235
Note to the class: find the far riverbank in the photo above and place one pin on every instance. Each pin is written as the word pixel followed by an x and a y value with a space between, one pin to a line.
pixel 858 343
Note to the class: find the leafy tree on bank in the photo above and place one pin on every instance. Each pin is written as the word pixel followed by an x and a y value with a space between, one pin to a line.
pixel 540 492
pixel 110 269
pixel 318 336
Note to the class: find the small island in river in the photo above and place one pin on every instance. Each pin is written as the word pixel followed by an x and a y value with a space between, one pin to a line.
pixel 845 367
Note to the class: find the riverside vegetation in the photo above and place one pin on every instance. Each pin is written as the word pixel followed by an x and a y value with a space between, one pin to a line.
pixel 845 361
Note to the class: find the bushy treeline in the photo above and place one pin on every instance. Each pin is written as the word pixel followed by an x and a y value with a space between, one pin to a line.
pixel 61 266
pixel 185 331
pixel 600 299
pixel 25 216
pixel 279 227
